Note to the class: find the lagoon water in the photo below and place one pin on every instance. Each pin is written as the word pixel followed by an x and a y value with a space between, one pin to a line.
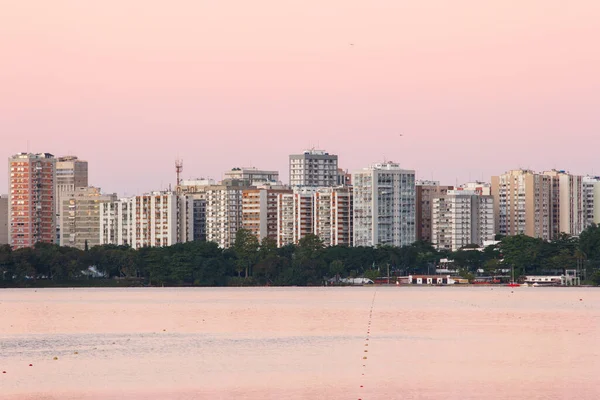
pixel 300 343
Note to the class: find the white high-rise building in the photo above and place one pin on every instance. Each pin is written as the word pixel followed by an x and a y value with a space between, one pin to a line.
pixel 591 200
pixel 313 168
pixel 149 220
pixel 461 218
pixel 333 215
pixel 223 213
pixel 384 205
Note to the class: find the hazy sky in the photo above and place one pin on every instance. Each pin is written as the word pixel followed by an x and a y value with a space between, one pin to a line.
pixel 476 87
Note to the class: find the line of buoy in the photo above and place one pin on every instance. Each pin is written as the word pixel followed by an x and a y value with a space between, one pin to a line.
pixel 368 335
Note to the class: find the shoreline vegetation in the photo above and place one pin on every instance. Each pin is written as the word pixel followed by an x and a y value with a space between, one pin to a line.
pixel 252 263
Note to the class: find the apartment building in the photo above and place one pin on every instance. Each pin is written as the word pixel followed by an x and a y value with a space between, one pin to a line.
pixel 149 220
pixel 32 207
pixel 384 205
pixel 3 219
pixel 333 215
pixel 252 176
pixel 523 203
pixel 295 215
pixel 591 200
pixel 461 218
pixel 81 222
pixel 426 191
pixel 71 173
pixel 567 203
pixel 259 210
pixel 313 168
pixel 481 188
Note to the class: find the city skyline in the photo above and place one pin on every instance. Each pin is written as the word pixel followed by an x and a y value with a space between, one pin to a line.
pixel 458 91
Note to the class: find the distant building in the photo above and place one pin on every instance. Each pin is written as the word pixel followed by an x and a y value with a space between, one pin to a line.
pixel 461 218
pixel 426 191
pixel 32 207
pixel 313 168
pixel 295 215
pixel 343 178
pixel 150 220
pixel 81 210
pixel 384 205
pixel 259 211
pixel 481 188
pixel 252 176
pixel 591 200
pixel 3 219
pixel 71 173
pixel 567 203
pixel 523 204
pixel 333 215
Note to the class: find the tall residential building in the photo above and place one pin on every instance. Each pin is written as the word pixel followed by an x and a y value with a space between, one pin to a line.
pixel 223 213
pixel 81 210
pixel 252 176
pixel 567 203
pixel 591 200
pixel 295 215
pixel 333 215
pixel 71 173
pixel 259 211
pixel 32 207
pixel 523 204
pixel 3 219
pixel 384 205
pixel 426 191
pixel 344 178
pixel 153 219
pixel 313 168
pixel 481 188
pixel 461 218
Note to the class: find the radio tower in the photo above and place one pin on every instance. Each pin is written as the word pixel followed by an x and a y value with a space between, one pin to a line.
pixel 178 169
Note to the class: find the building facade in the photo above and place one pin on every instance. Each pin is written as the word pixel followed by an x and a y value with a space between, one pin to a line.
pixel 567 203
pixel 3 219
pixel 481 188
pixel 32 202
pixel 295 215
pixel 461 218
pixel 523 204
pixel 333 215
pixel 591 200
pixel 150 220
pixel 426 191
pixel 259 211
pixel 81 210
pixel 252 176
pixel 313 168
pixel 71 173
pixel 384 206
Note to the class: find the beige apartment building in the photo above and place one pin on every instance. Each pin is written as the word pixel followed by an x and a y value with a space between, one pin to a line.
pixel 333 215
pixel 567 203
pixel 71 173
pixel 591 200
pixel 259 211
pixel 32 202
pixel 295 213
pixel 81 210
pixel 523 203
pixel 426 191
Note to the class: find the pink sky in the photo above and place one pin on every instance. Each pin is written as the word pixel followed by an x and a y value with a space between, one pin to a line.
pixel 476 87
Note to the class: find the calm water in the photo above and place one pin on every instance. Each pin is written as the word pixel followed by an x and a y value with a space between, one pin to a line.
pixel 300 343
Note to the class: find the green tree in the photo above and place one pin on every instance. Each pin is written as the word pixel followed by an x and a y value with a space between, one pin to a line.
pixel 246 249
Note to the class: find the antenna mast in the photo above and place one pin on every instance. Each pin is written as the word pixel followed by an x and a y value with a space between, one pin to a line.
pixel 178 170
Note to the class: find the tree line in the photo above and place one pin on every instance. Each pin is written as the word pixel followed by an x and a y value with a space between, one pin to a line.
pixel 250 262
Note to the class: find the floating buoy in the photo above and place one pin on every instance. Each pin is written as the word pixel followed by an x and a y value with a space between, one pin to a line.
pixel 361 385
pixel 31 365
pixel 76 352
pixel 3 372
pixel 364 358
pixel 55 358
pixel 580 299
